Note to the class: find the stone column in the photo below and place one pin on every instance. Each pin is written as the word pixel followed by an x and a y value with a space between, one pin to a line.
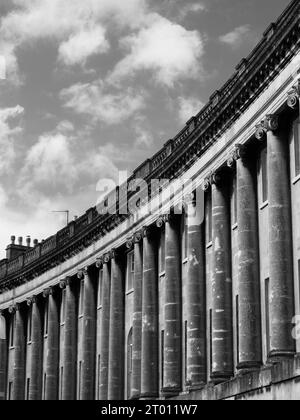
pixel 282 303
pixel 35 387
pixel 116 331
pixel 70 342
pixel 222 329
pixel 149 363
pixel 18 362
pixel 173 345
pixel 3 355
pixel 250 334
pixel 87 391
pixel 196 298
pixel 137 317
pixel 104 329
pixel 52 354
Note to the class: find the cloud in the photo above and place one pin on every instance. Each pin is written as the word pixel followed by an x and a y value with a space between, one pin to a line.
pixel 188 107
pixel 83 45
pixel 69 23
pixel 191 8
pixel 167 49
pixel 8 135
pixel 236 37
pixel 111 108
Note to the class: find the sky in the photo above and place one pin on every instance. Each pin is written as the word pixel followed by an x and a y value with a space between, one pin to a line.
pixel 95 87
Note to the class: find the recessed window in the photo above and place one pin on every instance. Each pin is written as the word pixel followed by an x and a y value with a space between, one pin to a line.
pixel 130 271
pixel 63 307
pixel 297 147
pixel 100 288
pixel 29 325
pixel 10 385
pixel 12 331
pixel 264 176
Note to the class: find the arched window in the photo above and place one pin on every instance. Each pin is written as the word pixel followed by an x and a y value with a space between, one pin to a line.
pixel 129 364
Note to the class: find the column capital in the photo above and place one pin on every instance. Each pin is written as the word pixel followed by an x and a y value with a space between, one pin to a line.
pixel 269 123
pixel 216 178
pixel 31 300
pixel 206 183
pixel 293 96
pixel 14 308
pixel 65 282
pixel 137 237
pixel 48 292
pixel 82 273
pixel 113 254
pixel 99 262
pixel 107 258
pixel 129 242
pixel 239 152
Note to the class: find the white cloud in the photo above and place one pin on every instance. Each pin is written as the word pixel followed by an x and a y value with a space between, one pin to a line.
pixel 8 136
pixel 236 38
pixel 191 8
pixel 166 48
pixel 188 107
pixel 83 45
pixel 69 22
pixel 110 108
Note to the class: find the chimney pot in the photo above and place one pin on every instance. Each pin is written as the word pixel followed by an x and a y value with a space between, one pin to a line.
pixel 13 239
pixel 20 239
pixel 35 242
pixel 28 241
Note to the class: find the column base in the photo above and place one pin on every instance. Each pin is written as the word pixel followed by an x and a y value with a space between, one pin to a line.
pixel 248 367
pixel 170 392
pixel 220 377
pixel 276 356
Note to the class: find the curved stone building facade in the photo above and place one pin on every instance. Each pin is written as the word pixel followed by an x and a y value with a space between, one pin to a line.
pixel 157 305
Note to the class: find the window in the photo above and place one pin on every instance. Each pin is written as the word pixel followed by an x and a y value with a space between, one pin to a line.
pixel 162 251
pixel 267 308
pixel 81 297
pixel 44 386
pixel 27 388
pixel 10 385
pixel 130 271
pixel 297 147
pixel 234 201
pixel 129 364
pixel 162 357
pixel 186 349
pixel 79 381
pixel 29 325
pixel 61 382
pixel 12 330
pixel 237 302
pixel 100 288
pixel 184 236
pixel 264 175
pixel 211 339
pixel 63 307
pixel 208 218
pixel 46 320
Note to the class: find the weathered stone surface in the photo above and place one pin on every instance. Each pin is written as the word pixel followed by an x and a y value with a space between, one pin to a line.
pixel 3 357
pixel 249 328
pixel 18 362
pixel 35 388
pixel 104 333
pixel 222 329
pixel 150 368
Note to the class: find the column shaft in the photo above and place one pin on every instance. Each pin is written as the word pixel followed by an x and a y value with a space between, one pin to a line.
pixel 222 334
pixel 150 368
pixel 18 386
pixel 70 345
pixel 35 388
pixel 52 357
pixel 250 344
pixel 116 333
pixel 3 357
pixel 280 239
pixel 104 333
pixel 172 347
pixel 196 302
pixel 137 321
pixel 87 391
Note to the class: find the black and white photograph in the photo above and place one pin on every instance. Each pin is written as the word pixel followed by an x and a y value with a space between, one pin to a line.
pixel 149 203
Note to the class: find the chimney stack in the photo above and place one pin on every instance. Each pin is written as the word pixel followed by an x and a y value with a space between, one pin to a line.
pixel 28 241
pixel 20 240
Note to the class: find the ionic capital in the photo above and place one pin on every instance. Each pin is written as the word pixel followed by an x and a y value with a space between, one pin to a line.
pixel 293 96
pixel 107 258
pixel 31 300
pixel 206 183
pixel 162 220
pixel 82 273
pixel 99 262
pixel 239 152
pixel 129 242
pixel 48 292
pixel 113 254
pixel 216 178
pixel 137 237
pixel 14 308
pixel 65 282
pixel 269 123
